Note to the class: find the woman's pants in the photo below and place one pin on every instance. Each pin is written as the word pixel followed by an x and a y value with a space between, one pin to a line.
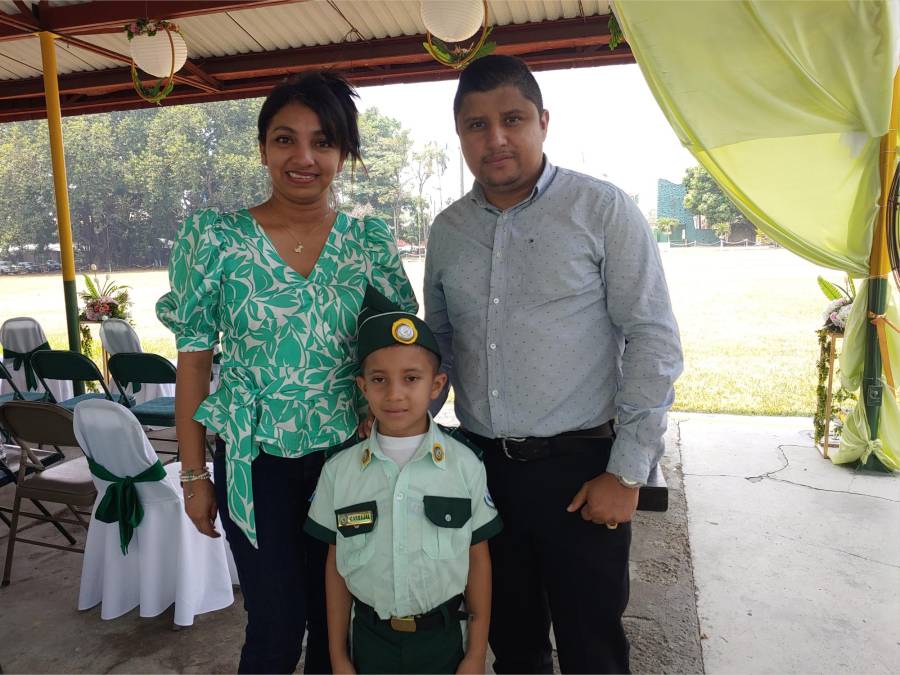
pixel 283 581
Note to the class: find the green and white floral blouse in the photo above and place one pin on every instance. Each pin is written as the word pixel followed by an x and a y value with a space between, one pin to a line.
pixel 288 355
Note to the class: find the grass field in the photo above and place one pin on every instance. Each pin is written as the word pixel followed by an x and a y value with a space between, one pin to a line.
pixel 747 316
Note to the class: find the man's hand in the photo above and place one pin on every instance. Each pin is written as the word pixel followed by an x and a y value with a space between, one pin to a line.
pixel 471 664
pixel 201 507
pixel 365 426
pixel 604 500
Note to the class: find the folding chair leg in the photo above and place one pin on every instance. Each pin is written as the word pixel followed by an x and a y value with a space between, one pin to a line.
pixel 10 544
pixel 81 521
pixel 4 518
pixel 59 526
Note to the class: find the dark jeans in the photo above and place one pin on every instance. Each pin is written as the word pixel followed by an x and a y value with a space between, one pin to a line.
pixel 283 581
pixel 551 565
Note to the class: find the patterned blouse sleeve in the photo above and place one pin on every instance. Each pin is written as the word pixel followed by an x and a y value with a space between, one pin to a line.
pixel 191 309
pixel 388 275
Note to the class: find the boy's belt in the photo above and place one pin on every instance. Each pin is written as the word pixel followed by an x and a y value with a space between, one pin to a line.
pixel 438 617
pixel 531 448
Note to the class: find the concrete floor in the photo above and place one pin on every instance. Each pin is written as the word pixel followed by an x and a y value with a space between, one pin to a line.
pixel 792 565
pixel 796 560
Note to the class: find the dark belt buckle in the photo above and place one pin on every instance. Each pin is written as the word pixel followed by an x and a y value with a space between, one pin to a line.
pixel 505 447
pixel 403 624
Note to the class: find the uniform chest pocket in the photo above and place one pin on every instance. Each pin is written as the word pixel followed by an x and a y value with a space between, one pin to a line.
pixel 356 541
pixel 446 534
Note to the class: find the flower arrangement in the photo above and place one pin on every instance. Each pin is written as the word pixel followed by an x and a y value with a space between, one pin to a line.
pixel 161 59
pixel 102 301
pixel 840 302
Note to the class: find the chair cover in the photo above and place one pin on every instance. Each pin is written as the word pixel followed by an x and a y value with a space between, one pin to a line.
pixel 117 335
pixel 168 560
pixel 21 335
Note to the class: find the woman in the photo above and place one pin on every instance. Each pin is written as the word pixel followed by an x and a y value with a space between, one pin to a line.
pixel 280 286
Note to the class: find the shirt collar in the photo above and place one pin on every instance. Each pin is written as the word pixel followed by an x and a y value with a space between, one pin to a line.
pixel 476 194
pixel 433 445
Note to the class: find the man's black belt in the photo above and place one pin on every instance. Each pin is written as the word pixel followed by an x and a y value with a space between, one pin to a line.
pixel 439 617
pixel 532 448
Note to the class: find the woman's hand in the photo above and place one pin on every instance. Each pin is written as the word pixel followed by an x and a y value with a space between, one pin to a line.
pixel 471 663
pixel 342 666
pixel 200 506
pixel 365 426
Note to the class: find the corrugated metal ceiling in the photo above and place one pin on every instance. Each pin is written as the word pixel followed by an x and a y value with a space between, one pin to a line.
pixel 276 27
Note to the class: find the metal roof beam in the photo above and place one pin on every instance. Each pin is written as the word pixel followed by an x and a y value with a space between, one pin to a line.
pixel 101 17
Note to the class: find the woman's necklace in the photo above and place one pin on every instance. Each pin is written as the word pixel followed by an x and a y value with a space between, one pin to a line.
pixel 299 247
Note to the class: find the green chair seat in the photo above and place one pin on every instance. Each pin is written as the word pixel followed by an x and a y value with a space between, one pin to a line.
pixel 157 412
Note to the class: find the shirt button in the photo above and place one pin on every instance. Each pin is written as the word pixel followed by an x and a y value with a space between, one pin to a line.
pixel 495 393
pixel 493 345
pixel 498 254
pixel 496 301
pixel 447 517
pixel 399 496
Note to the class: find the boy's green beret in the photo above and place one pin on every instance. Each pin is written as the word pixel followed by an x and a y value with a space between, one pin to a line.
pixel 383 324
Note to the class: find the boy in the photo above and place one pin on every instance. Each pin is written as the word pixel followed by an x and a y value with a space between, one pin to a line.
pixel 407 515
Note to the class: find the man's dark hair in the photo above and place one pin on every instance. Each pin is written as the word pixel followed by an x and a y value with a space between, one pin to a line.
pixel 490 72
pixel 328 95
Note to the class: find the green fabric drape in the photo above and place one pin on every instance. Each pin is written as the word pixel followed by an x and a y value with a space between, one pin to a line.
pixel 784 103
pixel 23 360
pixel 121 503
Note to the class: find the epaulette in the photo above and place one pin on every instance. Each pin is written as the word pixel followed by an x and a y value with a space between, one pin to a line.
pixel 457 435
pixel 335 449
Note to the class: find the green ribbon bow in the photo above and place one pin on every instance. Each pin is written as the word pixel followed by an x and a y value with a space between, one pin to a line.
pixel 121 503
pixel 23 360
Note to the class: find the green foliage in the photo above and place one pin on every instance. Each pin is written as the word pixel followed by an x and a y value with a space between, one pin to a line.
pixel 135 176
pixel 666 225
pixel 834 292
pixel 616 37
pixel 704 197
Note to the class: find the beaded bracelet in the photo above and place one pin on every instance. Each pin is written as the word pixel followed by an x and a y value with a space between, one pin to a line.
pixel 190 475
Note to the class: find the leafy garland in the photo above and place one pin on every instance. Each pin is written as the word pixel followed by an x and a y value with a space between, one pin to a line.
pixel 457 57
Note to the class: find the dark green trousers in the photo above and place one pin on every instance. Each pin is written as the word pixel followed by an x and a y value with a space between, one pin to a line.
pixel 378 648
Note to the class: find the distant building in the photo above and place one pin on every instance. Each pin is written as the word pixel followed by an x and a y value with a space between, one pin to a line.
pixel 670 204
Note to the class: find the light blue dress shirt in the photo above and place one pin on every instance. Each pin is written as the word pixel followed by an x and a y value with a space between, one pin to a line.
pixel 554 315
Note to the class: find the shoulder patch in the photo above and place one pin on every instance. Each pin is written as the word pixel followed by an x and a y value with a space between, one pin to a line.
pixel 457 435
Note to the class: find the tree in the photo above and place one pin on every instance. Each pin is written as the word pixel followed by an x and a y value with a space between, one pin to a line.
pixel 704 197
pixel 666 225
pixel 381 185
pixel 429 162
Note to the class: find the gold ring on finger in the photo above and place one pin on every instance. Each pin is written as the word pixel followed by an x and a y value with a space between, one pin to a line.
pixel 611 525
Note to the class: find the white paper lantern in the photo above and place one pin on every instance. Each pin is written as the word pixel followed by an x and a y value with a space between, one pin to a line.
pixel 154 54
pixel 453 20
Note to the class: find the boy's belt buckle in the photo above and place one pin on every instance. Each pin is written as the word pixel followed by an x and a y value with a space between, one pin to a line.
pixel 505 448
pixel 403 624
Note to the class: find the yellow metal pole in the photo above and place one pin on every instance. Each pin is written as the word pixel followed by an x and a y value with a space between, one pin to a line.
pixel 60 186
pixel 879 269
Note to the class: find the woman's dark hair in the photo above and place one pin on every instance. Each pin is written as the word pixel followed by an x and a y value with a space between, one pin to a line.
pixel 494 71
pixel 328 95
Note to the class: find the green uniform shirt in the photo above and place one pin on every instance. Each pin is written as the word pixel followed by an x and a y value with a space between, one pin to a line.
pixel 403 535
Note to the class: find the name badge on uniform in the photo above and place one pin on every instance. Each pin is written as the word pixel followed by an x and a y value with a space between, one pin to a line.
pixel 355 519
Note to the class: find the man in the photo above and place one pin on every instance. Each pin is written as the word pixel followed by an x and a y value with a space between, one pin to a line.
pixel 545 290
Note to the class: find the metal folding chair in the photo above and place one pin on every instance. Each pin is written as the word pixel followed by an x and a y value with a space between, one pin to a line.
pixel 31 423
pixel 136 369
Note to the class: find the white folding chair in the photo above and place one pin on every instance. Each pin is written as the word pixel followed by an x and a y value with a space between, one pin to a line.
pixel 167 560
pixel 117 336
pixel 20 337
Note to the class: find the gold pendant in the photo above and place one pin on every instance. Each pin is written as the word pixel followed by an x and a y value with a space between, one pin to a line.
pixel 299 248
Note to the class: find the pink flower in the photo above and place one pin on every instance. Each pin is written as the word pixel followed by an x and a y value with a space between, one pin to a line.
pixel 133 27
